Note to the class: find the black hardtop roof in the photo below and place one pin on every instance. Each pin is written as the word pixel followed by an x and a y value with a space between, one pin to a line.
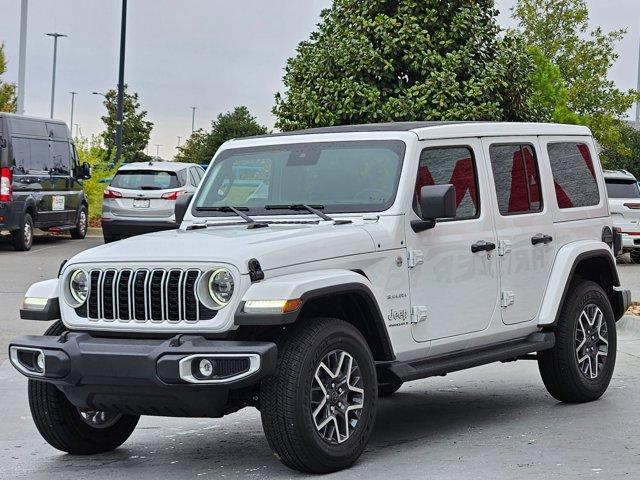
pixel 366 127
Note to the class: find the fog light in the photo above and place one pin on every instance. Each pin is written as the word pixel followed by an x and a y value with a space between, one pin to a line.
pixel 206 367
pixel 40 362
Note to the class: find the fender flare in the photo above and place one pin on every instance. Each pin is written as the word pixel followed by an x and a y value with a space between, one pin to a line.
pixel 309 286
pixel 565 265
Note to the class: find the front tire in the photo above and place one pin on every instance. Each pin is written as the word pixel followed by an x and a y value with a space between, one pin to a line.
pixel 82 224
pixel 580 365
pixel 319 409
pixel 65 428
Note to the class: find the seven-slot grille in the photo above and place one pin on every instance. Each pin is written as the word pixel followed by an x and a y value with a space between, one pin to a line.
pixel 144 295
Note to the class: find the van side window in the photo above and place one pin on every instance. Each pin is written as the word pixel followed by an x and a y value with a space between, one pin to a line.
pixel 574 176
pixel 21 154
pixel 60 160
pixel 30 155
pixel 454 165
pixel 517 179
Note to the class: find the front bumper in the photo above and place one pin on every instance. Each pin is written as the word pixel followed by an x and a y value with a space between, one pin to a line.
pixel 630 240
pixel 144 376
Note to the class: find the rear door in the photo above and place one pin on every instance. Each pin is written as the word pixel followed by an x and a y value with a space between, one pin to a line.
pixel 145 193
pixel 524 223
pixel 64 196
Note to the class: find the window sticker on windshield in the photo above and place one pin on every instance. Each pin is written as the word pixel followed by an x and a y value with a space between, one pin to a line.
pixel 57 203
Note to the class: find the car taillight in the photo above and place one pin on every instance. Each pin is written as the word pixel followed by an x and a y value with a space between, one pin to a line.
pixel 633 206
pixel 5 185
pixel 108 193
pixel 173 195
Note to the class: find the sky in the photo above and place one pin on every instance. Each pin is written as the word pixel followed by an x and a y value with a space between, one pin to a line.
pixel 213 54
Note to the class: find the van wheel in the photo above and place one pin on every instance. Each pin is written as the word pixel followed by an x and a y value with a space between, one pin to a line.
pixel 73 431
pixel 82 224
pixel 580 365
pixel 23 239
pixel 388 389
pixel 635 256
pixel 318 410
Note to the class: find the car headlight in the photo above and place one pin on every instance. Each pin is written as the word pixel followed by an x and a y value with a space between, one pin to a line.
pixel 221 286
pixel 79 287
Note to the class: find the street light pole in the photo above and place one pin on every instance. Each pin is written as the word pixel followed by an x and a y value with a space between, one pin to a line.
pixel 22 58
pixel 120 110
pixel 193 119
pixel 73 97
pixel 179 138
pixel 638 90
pixel 158 151
pixel 55 58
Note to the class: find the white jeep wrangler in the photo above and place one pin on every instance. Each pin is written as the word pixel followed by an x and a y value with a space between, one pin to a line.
pixel 317 270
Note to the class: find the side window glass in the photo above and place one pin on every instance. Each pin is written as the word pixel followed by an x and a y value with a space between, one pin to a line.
pixel 450 165
pixel 60 159
pixel 41 159
pixel 21 149
pixel 574 176
pixel 517 179
pixel 194 177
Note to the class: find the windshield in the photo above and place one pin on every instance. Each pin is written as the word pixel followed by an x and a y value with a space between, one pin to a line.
pixel 146 180
pixel 622 189
pixel 340 177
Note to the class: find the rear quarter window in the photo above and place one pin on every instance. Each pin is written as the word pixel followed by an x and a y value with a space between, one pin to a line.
pixel 574 175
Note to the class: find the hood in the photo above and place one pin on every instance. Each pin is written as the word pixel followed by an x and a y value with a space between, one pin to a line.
pixel 275 246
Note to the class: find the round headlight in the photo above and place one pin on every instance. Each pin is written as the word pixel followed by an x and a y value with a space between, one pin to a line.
pixel 221 286
pixel 79 286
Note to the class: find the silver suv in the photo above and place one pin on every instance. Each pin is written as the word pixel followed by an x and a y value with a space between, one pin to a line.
pixel 142 196
pixel 624 204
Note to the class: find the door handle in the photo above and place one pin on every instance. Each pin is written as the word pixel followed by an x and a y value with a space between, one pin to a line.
pixel 541 238
pixel 483 246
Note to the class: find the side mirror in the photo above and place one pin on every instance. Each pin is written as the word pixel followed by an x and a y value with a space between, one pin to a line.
pixel 86 171
pixel 436 201
pixel 182 205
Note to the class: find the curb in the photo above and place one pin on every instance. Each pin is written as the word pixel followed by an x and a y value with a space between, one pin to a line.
pixel 629 324
pixel 94 232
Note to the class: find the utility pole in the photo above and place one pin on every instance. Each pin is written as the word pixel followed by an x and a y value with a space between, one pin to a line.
pixel 77 130
pixel 179 138
pixel 55 59
pixel 158 151
pixel 120 114
pixel 22 58
pixel 73 97
pixel 193 119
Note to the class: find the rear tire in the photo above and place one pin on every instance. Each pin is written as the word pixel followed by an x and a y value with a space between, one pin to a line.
pixel 82 223
pixel 23 239
pixel 635 256
pixel 580 365
pixel 62 425
pixel 303 396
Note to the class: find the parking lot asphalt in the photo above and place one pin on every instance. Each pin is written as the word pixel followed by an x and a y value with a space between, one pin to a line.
pixel 491 422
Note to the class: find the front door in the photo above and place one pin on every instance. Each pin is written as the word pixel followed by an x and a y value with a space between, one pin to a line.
pixel 524 222
pixel 454 287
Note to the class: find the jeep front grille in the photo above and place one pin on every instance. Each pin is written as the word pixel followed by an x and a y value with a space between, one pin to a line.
pixel 144 295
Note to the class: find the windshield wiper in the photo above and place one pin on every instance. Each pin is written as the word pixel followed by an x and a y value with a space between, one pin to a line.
pixel 251 223
pixel 315 209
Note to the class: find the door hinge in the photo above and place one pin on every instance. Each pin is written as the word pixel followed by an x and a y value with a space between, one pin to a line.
pixel 414 257
pixel 507 298
pixel 504 247
pixel 418 314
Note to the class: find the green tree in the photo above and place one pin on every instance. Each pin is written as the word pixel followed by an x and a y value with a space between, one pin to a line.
pixel 629 159
pixel 392 60
pixel 136 129
pixel 559 31
pixel 92 151
pixel 7 90
pixel 201 146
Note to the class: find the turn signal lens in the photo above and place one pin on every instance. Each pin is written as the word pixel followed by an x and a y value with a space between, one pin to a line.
pixel 34 303
pixel 5 185
pixel 272 306
pixel 173 195
pixel 108 193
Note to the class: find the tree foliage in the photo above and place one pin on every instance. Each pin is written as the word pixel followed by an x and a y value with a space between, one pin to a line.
pixel 575 75
pixel 136 129
pixel 7 90
pixel 90 150
pixel 392 60
pixel 201 146
pixel 629 159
